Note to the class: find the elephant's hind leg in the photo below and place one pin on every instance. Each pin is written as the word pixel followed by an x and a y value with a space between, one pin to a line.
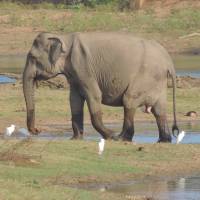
pixel 128 125
pixel 159 111
pixel 129 112
pixel 76 104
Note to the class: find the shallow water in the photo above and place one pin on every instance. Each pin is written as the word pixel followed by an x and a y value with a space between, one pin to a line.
pixel 193 73
pixel 184 188
pixel 5 79
pixel 145 132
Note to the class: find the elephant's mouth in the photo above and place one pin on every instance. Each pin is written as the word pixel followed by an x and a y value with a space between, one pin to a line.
pixel 45 76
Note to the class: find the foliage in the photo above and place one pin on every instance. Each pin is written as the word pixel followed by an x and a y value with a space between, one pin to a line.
pixel 66 2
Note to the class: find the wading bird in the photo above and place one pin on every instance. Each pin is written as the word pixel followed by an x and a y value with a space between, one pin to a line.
pixel 9 130
pixel 180 136
pixel 101 146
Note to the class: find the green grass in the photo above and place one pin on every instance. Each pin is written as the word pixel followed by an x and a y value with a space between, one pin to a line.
pixel 27 20
pixel 187 100
pixel 59 164
pixel 186 62
pixel 100 18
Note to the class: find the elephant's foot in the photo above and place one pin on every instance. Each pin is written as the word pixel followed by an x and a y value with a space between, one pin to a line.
pixel 114 137
pixel 34 131
pixel 166 139
pixel 125 137
pixel 111 136
pixel 77 137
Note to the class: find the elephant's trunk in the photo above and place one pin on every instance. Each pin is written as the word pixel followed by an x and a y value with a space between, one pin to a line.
pixel 28 89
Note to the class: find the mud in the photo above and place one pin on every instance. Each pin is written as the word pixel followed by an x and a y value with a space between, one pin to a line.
pixel 12 157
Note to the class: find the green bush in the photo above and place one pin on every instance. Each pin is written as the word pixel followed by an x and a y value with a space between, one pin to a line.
pixel 67 2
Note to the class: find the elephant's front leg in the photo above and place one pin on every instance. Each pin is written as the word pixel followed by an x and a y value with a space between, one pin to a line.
pixel 76 104
pixel 93 98
pixel 97 123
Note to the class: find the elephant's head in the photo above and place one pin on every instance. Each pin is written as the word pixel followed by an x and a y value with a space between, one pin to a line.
pixel 45 60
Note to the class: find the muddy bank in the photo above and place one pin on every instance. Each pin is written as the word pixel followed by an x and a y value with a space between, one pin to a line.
pixel 60 82
pixel 188 82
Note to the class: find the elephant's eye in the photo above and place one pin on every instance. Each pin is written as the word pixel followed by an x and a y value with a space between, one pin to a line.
pixel 32 57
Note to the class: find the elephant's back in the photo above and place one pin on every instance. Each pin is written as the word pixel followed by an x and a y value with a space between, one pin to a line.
pixel 116 60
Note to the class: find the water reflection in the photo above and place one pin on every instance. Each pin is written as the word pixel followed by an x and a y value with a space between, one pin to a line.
pixel 183 188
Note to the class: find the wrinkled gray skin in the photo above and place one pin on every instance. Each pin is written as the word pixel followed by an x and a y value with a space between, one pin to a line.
pixel 103 68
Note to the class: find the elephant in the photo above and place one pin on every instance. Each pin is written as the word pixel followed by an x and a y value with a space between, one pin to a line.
pixel 110 68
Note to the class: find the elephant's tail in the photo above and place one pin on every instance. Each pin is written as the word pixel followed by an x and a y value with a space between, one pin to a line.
pixel 174 126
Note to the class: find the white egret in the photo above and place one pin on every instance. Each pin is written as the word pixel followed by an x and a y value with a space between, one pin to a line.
pixel 180 136
pixel 9 130
pixel 101 146
pixel 181 183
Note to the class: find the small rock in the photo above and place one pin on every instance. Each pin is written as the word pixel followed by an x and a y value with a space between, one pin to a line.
pixel 24 132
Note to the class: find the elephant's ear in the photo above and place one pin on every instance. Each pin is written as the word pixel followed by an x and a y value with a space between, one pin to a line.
pixel 57 46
